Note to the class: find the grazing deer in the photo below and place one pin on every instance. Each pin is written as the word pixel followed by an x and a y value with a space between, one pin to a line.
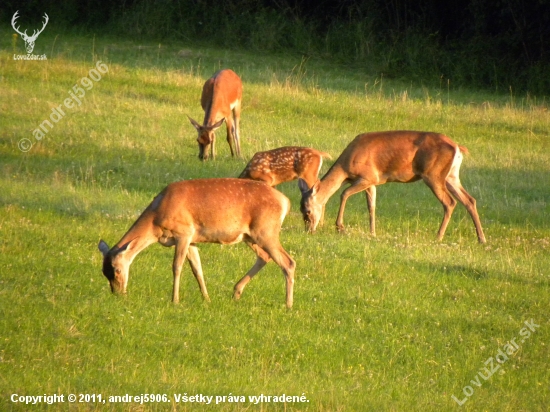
pixel 222 211
pixel 285 164
pixel 29 40
pixel 373 159
pixel 220 100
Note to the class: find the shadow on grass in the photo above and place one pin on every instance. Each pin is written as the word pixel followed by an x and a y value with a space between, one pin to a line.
pixel 466 271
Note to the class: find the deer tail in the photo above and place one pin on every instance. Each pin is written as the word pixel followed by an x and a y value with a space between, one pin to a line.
pixel 464 150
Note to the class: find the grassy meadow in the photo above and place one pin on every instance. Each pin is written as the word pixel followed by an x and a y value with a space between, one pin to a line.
pixel 399 322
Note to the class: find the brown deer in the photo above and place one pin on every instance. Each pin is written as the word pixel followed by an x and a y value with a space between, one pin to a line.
pixel 285 164
pixel 220 100
pixel 222 211
pixel 373 159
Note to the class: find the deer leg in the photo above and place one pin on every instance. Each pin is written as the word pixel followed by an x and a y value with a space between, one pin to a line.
pixel 358 186
pixel 195 262
pixel 261 260
pixel 268 250
pixel 371 205
pixel 449 203
pixel 213 147
pixel 322 218
pixel 179 256
pixel 454 186
pixel 287 265
pixel 230 134
pixel 237 131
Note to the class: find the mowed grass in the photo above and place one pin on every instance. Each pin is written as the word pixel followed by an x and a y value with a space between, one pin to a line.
pixel 397 322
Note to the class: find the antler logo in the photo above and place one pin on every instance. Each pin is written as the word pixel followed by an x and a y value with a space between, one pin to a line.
pixel 29 40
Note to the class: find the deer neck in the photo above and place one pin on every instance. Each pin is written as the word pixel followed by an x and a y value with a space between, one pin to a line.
pixel 208 121
pixel 330 183
pixel 139 236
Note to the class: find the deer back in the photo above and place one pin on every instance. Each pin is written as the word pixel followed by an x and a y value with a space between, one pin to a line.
pixel 220 94
pixel 219 210
pixel 396 156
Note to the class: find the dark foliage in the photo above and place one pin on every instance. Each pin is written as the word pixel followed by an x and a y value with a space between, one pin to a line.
pixel 498 44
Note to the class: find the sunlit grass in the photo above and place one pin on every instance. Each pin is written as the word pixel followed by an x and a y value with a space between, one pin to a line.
pixel 396 322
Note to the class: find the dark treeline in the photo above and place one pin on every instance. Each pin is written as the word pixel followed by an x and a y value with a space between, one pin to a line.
pixel 492 44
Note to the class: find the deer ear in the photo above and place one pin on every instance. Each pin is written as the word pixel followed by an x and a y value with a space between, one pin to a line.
pixel 194 123
pixel 217 124
pixel 123 248
pixel 302 185
pixel 103 247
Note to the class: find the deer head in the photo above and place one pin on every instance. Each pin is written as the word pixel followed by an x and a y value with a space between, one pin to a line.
pixel 115 266
pixel 29 40
pixel 311 208
pixel 206 137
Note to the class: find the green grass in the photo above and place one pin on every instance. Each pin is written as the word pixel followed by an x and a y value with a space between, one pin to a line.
pixel 397 322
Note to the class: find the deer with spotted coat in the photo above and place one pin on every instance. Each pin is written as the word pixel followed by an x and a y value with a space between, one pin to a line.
pixel 373 159
pixel 285 164
pixel 186 213
pixel 221 101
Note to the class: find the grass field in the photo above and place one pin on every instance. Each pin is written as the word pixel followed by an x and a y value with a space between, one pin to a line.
pixel 399 322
